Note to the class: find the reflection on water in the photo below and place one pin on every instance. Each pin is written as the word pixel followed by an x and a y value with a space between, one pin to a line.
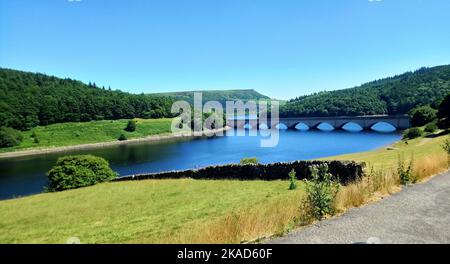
pixel 26 175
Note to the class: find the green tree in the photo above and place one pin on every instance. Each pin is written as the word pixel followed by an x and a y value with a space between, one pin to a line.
pixel 412 133
pixel 431 128
pixel 122 137
pixel 9 137
pixel 72 172
pixel 131 126
pixel 422 115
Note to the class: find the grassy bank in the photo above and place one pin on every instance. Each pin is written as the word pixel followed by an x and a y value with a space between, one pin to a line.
pixel 387 157
pixel 427 157
pixel 70 134
pixel 156 211
pixel 198 211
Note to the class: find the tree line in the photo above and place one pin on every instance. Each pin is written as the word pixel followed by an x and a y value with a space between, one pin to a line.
pixel 393 95
pixel 31 99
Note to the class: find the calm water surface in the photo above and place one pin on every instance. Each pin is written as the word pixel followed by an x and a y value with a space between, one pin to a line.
pixel 27 175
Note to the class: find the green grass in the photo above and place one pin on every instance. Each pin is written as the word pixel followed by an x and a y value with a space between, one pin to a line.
pixel 385 158
pixel 69 134
pixel 150 211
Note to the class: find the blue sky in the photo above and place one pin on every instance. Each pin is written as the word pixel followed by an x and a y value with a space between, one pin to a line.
pixel 280 48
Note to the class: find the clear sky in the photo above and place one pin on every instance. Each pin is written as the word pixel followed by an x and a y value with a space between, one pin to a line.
pixel 281 48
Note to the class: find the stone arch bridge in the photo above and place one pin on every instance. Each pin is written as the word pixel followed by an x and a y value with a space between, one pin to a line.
pixel 400 122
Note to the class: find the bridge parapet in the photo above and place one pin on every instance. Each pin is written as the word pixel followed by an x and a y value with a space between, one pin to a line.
pixel 365 122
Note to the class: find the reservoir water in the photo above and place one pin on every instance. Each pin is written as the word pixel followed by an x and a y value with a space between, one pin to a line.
pixel 27 175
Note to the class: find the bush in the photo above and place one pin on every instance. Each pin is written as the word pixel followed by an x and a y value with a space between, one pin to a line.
pixel 122 137
pixel 405 173
pixel 131 126
pixel 446 146
pixel 321 192
pixel 9 137
pixel 36 140
pixel 246 161
pixel 72 172
pixel 444 113
pixel 422 115
pixel 431 128
pixel 412 133
pixel 292 180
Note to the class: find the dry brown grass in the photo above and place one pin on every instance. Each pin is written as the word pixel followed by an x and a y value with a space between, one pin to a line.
pixel 375 184
pixel 249 224
pixel 430 165
pixel 378 183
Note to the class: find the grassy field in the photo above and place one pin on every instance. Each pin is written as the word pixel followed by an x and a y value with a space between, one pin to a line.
pixel 69 134
pixel 196 211
pixel 156 211
pixel 385 158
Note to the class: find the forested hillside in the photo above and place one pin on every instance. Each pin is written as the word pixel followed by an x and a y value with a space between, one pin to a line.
pixel 31 99
pixel 394 95
pixel 219 95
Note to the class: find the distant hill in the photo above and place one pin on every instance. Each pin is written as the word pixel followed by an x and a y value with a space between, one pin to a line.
pixel 30 99
pixel 217 95
pixel 393 95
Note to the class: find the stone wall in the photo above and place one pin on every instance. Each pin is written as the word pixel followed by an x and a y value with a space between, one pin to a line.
pixel 344 171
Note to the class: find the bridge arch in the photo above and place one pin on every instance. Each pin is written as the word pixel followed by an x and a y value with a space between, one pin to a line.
pixel 352 126
pixel 301 126
pixel 324 126
pixel 383 126
pixel 281 126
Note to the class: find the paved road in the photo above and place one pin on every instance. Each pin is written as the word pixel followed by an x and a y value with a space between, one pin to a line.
pixel 418 214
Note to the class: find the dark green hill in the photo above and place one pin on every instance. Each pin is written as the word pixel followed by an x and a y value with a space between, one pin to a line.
pixel 393 95
pixel 30 99
pixel 219 95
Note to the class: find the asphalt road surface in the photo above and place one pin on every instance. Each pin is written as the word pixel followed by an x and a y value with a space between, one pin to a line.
pixel 418 214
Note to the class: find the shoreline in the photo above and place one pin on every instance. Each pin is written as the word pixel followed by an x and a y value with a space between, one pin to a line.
pixel 151 138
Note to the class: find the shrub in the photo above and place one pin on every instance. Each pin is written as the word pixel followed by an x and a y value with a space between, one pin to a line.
pixel 422 115
pixel 9 137
pixel 412 133
pixel 321 192
pixel 36 140
pixel 72 172
pixel 446 147
pixel 444 113
pixel 431 128
pixel 122 137
pixel 246 161
pixel 405 173
pixel 292 180
pixel 131 126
